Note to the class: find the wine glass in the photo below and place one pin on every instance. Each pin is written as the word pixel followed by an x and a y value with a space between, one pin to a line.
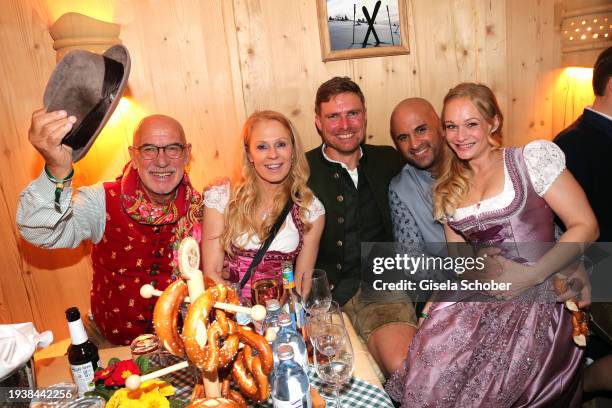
pixel 313 322
pixel 316 293
pixel 333 357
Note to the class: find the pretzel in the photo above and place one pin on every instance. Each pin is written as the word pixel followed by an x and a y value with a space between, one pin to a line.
pixel 243 378
pixel 194 328
pixel 165 317
pixel 580 320
pixel 213 403
pixel 250 376
pixel 228 352
pixel 230 394
pixel 261 379
pixel 259 343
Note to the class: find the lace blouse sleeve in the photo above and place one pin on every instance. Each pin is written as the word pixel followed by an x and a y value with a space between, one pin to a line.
pixel 545 161
pixel 217 196
pixel 316 209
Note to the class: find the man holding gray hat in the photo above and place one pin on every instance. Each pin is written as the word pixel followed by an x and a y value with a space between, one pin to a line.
pixel 135 222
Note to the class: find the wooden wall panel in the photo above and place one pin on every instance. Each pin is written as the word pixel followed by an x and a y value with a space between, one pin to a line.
pixel 280 60
pixel 210 63
pixel 460 41
pixel 181 66
pixel 531 60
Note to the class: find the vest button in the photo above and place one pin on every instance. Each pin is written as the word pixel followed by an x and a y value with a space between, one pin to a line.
pixel 340 220
pixel 336 175
pixel 339 243
pixel 338 266
pixel 157 254
pixel 156 229
pixel 340 198
pixel 154 270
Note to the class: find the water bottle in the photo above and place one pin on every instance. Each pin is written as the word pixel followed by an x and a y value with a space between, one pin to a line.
pixel 293 302
pixel 270 323
pixel 290 388
pixel 288 335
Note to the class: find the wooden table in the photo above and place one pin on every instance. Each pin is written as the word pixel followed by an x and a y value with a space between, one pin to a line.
pixel 51 364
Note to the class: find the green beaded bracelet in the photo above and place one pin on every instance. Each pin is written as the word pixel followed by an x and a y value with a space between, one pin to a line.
pixel 59 185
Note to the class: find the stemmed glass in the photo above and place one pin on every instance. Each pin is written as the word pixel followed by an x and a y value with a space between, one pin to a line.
pixel 333 357
pixel 313 323
pixel 315 291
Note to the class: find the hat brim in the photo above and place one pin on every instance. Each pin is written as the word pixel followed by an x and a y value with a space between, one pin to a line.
pixel 120 54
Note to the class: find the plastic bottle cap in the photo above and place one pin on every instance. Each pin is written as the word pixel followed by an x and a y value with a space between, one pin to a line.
pixel 272 305
pixel 284 320
pixel 284 351
pixel 73 314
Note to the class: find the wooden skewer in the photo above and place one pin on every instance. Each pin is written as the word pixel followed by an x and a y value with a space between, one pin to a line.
pixel 257 312
pixel 133 381
pixel 148 291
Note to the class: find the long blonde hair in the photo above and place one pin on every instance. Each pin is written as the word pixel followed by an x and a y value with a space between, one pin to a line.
pixel 240 212
pixel 454 174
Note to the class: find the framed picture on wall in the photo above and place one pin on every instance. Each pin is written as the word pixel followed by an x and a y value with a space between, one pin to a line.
pixel 362 28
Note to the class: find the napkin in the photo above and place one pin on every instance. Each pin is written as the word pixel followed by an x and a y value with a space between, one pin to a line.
pixel 18 342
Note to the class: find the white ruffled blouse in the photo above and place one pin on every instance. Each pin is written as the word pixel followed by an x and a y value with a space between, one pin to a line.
pixel 288 237
pixel 545 161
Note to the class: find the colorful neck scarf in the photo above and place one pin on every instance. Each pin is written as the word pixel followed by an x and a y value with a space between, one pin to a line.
pixel 185 210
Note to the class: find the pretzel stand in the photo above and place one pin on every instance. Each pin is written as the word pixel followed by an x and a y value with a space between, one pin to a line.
pixel 249 367
pixel 189 264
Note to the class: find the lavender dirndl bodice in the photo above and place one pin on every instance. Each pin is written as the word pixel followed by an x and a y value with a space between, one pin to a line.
pixel 516 353
pixel 271 264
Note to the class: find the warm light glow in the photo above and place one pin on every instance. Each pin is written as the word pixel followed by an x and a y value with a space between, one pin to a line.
pixel 126 110
pixel 583 36
pixel 100 10
pixel 580 74
pixel 573 91
pixel 110 151
pixel 595 35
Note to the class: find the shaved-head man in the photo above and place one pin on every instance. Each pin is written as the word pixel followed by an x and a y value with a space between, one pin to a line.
pixel 135 222
pixel 417 133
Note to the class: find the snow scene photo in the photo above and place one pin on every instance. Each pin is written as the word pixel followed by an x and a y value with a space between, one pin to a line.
pixel 363 23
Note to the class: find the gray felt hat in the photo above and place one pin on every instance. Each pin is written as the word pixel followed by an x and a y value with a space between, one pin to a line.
pixel 89 87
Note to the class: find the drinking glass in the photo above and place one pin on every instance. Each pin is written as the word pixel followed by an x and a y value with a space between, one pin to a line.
pixel 316 293
pixel 333 357
pixel 265 289
pixel 314 321
pixel 147 345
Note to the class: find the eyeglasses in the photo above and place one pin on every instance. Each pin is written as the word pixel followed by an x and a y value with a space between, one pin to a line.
pixel 150 152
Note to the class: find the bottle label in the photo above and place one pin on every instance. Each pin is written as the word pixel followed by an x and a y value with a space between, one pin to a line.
pixel 83 375
pixel 297 317
pixel 297 400
pixel 288 281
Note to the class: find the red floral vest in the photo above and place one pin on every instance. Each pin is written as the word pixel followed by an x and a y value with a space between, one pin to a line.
pixel 129 255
